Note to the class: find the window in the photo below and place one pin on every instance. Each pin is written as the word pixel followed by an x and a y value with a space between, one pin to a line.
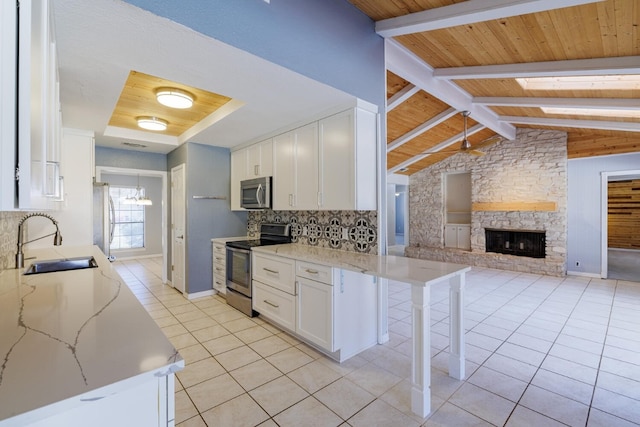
pixel 128 230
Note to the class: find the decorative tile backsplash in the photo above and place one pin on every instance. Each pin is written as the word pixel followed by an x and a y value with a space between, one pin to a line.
pixel 355 231
pixel 9 238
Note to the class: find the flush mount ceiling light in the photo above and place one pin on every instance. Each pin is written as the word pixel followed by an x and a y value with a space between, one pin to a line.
pixel 152 123
pixel 174 98
pixel 610 82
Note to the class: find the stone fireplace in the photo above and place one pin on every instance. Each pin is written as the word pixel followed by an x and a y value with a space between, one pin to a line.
pixel 518 186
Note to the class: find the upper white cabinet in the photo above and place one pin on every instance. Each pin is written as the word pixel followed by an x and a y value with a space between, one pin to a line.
pixel 295 169
pixel 259 159
pixel 347 158
pixel 36 139
pixel 327 165
pixel 251 162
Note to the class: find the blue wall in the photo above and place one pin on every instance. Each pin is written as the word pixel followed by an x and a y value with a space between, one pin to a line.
pixel 330 41
pixel 208 171
pixel 130 159
pixel 584 220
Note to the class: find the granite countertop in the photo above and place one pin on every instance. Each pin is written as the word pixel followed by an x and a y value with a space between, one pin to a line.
pixel 73 333
pixel 402 269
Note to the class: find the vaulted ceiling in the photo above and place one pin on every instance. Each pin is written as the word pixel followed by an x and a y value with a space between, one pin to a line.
pixel 449 56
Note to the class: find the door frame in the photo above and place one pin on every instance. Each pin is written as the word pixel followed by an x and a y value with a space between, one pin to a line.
pixel 181 166
pixel 165 212
pixel 604 209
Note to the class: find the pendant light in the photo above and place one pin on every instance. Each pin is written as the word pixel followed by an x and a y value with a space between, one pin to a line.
pixel 139 198
pixel 466 145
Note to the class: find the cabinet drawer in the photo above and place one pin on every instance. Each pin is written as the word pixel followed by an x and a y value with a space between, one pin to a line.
pixel 220 285
pixel 275 305
pixel 219 270
pixel 219 250
pixel 320 273
pixel 274 271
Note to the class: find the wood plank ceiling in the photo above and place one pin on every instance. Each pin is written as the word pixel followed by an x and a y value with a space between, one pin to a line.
pixel 448 56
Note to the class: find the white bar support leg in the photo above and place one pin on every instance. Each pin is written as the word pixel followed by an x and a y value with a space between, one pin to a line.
pixel 421 362
pixel 456 327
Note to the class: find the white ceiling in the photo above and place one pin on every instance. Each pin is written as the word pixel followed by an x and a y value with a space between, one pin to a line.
pixel 100 41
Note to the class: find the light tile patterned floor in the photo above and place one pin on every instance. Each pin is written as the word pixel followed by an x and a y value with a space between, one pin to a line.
pixel 540 351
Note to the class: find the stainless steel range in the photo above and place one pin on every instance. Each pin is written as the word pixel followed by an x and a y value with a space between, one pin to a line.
pixel 239 264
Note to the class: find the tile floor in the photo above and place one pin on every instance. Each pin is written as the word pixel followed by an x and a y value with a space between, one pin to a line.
pixel 541 351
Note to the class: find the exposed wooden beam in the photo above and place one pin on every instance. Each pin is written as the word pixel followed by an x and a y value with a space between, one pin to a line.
pixel 573 67
pixel 429 124
pixel 403 94
pixel 601 103
pixel 467 12
pixel 402 62
pixel 569 123
pixel 444 144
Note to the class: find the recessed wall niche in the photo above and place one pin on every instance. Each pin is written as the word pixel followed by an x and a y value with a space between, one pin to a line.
pixel 457 197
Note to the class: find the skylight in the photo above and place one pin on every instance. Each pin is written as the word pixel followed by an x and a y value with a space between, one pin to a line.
pixel 617 82
pixel 592 112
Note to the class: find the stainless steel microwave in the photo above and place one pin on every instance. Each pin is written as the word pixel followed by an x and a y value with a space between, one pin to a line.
pixel 256 193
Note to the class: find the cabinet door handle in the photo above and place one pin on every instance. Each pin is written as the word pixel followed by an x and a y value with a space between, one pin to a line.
pixel 268 270
pixel 256 170
pixel 310 271
pixel 270 303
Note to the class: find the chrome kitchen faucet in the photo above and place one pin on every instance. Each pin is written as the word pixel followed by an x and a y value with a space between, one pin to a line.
pixel 57 239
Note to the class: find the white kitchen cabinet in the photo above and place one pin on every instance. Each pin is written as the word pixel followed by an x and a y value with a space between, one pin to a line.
pixel 250 162
pixel 347 159
pixel 31 115
pixel 219 262
pixel 275 304
pixel 276 272
pixel 38 108
pixel 295 169
pixel 457 236
pixel 315 314
pixel 259 159
pixel 148 403
pixel 331 309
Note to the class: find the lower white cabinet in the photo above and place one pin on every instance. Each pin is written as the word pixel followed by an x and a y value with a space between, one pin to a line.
pixel 334 310
pixel 457 236
pixel 275 304
pixel 315 313
pixel 147 403
pixel 219 263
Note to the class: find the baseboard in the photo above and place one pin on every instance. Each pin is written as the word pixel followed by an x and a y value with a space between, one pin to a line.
pixel 583 274
pixel 201 294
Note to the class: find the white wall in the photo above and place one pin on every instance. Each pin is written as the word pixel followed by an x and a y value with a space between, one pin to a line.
pixel 74 214
pixel 584 208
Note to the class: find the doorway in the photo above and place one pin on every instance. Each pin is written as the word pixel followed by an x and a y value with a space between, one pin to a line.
pixel 397 214
pixel 620 214
pixel 139 177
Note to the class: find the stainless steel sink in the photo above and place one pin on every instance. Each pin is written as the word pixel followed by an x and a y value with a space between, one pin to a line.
pixel 63 264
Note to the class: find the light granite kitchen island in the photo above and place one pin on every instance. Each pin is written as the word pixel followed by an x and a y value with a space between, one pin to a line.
pixel 420 274
pixel 77 348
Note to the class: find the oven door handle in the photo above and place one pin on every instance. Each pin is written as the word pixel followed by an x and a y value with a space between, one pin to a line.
pixel 244 251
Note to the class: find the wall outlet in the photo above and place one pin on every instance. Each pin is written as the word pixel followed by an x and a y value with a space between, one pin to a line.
pixel 345 233
pixel 305 231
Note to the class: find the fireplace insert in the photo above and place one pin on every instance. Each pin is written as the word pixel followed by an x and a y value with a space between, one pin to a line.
pixel 516 242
